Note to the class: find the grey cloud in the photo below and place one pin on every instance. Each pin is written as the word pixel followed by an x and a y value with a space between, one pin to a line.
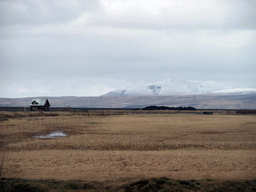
pixel 83 49
pixel 196 14
pixel 190 14
pixel 38 12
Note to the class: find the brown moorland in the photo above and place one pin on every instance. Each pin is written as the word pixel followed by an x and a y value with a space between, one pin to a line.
pixel 100 147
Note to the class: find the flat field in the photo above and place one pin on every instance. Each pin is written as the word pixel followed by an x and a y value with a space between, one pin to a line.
pixel 102 147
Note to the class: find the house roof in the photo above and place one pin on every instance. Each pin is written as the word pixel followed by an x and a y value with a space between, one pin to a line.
pixel 39 102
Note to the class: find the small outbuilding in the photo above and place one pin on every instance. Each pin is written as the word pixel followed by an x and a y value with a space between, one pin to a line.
pixel 39 104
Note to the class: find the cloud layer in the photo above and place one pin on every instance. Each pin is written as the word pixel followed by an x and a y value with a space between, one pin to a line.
pixel 88 48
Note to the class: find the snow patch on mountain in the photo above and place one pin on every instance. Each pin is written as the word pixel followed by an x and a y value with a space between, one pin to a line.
pixel 237 91
pixel 175 87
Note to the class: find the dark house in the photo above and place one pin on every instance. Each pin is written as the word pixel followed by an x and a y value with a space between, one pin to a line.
pixel 39 104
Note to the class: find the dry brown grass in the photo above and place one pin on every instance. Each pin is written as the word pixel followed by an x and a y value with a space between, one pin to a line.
pixel 111 165
pixel 182 146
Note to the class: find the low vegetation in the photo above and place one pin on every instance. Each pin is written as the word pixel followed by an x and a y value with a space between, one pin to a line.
pixel 128 151
pixel 10 115
pixel 146 185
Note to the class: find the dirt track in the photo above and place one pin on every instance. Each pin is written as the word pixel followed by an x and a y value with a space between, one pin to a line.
pixel 141 146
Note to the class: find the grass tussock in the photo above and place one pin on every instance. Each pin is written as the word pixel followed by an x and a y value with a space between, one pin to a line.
pixel 147 185
pixel 61 145
pixel 166 184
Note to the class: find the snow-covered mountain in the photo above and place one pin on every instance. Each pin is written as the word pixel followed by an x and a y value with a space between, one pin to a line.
pixel 178 87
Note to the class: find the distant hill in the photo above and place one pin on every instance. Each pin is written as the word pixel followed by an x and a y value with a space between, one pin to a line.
pixel 202 101
pixel 152 107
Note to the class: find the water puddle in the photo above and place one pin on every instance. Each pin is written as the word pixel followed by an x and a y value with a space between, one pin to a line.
pixel 52 135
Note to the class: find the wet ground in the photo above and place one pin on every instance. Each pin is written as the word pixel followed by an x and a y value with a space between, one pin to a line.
pixel 52 135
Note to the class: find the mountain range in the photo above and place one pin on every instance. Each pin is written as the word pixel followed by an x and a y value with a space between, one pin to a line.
pixel 172 93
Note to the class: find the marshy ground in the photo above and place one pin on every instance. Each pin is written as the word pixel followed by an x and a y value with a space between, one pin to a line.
pixel 124 147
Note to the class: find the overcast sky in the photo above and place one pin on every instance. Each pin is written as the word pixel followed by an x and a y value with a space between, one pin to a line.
pixel 91 47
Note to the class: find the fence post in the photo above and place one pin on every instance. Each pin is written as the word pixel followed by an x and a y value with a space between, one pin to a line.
pixel 2 163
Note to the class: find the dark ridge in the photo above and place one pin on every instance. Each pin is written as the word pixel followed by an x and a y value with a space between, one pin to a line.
pixel 168 108
pixel 152 184
pixel 245 112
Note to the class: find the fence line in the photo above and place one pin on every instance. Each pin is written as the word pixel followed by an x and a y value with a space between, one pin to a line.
pixel 40 123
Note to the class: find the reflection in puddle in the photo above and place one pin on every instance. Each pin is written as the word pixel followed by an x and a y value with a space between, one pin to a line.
pixel 52 135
